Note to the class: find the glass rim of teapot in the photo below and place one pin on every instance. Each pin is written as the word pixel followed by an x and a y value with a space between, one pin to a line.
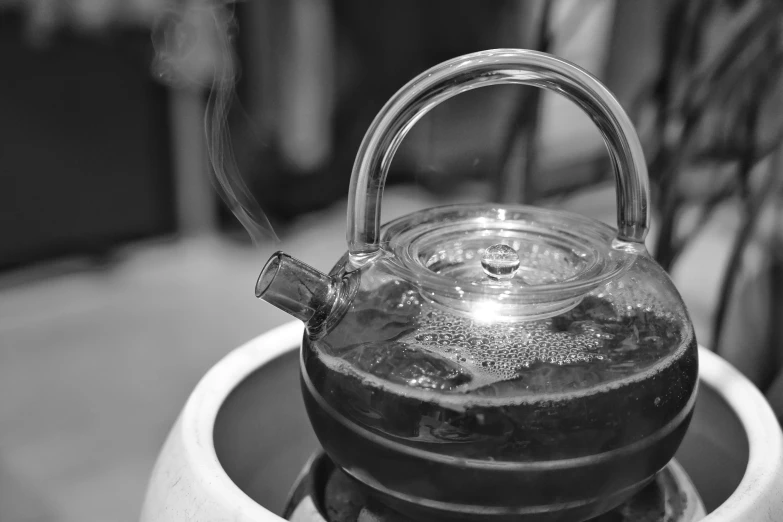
pixel 563 256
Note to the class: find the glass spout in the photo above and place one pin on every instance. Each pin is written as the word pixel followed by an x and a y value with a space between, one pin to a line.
pixel 295 288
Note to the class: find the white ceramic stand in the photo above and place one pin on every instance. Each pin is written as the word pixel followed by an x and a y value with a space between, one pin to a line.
pixel 241 411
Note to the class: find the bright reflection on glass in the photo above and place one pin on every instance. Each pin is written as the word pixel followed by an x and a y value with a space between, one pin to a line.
pixel 486 311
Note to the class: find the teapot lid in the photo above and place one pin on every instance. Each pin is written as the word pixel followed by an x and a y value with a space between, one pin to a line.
pixel 504 262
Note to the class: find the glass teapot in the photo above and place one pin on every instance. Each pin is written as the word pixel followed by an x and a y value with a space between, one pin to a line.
pixel 482 362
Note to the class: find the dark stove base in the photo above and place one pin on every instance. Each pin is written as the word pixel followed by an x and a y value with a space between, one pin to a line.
pixel 324 493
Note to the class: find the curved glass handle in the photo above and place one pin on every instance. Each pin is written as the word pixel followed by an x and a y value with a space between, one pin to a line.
pixel 494 67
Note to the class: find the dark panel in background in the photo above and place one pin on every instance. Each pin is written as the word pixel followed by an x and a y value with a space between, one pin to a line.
pixel 84 139
pixel 374 49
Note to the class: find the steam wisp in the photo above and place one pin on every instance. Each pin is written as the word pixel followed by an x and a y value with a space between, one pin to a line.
pixel 194 49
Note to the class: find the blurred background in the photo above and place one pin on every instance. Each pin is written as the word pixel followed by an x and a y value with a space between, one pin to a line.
pixel 133 227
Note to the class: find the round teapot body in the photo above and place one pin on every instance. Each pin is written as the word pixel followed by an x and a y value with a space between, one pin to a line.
pixel 448 414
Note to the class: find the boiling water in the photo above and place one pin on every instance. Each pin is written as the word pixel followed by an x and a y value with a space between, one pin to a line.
pixel 477 416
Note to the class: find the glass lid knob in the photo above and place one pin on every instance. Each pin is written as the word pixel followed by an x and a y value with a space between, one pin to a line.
pixel 500 261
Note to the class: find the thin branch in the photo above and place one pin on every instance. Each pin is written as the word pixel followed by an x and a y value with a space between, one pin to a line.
pixel 730 151
pixel 707 211
pixel 712 202
pixel 743 237
pixel 753 31
pixel 753 208
pixel 667 163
